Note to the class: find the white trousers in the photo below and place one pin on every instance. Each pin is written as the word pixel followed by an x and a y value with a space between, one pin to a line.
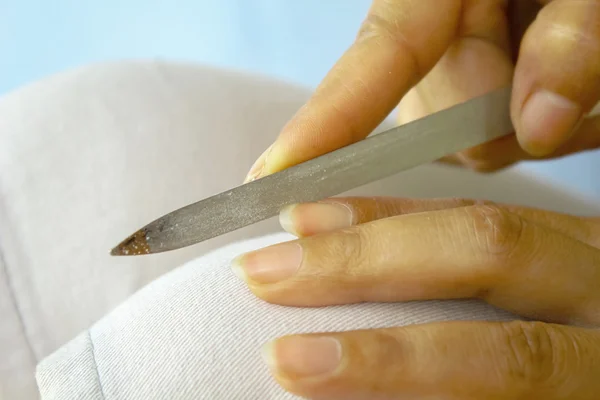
pixel 89 156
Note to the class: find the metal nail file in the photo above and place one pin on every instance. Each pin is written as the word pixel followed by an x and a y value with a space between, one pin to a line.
pixel 425 140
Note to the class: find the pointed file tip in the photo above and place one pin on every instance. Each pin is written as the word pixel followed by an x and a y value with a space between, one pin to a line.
pixel 134 245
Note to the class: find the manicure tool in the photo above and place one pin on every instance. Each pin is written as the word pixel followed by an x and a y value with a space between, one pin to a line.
pixel 460 127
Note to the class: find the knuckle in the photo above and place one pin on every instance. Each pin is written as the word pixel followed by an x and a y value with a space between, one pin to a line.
pixel 383 207
pixel 354 249
pixel 532 355
pixel 363 240
pixel 562 21
pixel 377 25
pixel 570 26
pixel 497 232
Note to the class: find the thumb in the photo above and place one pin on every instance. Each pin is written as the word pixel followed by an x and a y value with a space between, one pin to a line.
pixel 557 77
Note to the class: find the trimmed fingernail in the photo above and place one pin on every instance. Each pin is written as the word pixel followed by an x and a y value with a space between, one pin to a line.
pixel 547 120
pixel 271 264
pixel 258 166
pixel 310 218
pixel 303 357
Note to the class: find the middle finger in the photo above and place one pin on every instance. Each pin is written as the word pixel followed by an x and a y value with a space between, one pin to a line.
pixel 480 251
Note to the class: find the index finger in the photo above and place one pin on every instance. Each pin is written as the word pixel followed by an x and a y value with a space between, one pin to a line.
pixel 399 42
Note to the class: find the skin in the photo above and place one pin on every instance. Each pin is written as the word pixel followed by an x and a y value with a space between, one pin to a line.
pixel 426 55
pixel 538 264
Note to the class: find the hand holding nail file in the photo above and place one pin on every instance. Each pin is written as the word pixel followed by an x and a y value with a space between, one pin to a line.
pixel 465 125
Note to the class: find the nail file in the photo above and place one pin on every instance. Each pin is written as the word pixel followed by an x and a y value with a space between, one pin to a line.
pixel 465 125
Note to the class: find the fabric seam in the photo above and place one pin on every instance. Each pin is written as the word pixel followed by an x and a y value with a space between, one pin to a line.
pixel 96 364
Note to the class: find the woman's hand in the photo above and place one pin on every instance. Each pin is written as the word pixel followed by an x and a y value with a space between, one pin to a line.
pixel 428 55
pixel 537 264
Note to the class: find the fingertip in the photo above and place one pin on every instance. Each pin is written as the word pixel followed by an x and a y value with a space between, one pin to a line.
pixel 286 219
pixel 556 78
pixel 547 121
pixel 277 157
pixel 311 218
pixel 268 265
pixel 237 267
pixel 299 357
pixel 258 168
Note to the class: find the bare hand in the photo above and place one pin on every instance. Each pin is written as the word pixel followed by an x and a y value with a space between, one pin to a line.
pixel 538 264
pixel 428 55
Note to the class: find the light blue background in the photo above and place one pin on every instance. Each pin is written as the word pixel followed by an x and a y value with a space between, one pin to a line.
pixel 294 40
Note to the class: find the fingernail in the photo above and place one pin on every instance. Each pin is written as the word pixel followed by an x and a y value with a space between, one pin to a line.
pixel 547 120
pixel 303 357
pixel 258 166
pixel 271 264
pixel 311 218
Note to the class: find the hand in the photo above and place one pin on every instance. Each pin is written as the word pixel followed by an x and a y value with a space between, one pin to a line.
pixel 432 54
pixel 538 264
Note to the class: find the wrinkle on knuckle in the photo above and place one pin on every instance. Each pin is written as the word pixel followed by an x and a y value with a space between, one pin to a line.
pixel 376 26
pixel 352 252
pixel 339 263
pixel 532 354
pixel 497 232
pixel 382 207
pixel 571 27
pixel 361 256
pixel 578 24
pixel 393 346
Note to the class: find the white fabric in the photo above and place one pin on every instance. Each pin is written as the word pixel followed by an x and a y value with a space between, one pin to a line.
pixel 90 155
pixel 197 332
